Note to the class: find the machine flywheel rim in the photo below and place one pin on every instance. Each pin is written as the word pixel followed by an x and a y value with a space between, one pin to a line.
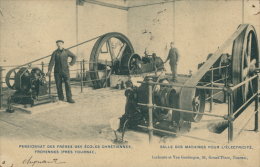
pixel 242 53
pixel 93 65
pixel 187 94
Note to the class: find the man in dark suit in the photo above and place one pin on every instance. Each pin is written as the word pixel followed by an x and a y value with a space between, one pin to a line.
pixel 61 70
pixel 174 57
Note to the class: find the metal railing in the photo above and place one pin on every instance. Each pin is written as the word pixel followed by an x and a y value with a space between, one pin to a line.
pixel 213 83
pixel 1 87
pixel 83 73
pixel 43 65
pixel 230 115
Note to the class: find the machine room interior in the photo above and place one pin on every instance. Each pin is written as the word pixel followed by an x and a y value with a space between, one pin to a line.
pixel 198 28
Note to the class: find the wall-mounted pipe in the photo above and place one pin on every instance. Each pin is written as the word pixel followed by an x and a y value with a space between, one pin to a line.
pixel 107 5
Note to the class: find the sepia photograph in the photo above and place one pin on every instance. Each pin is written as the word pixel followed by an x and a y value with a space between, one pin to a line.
pixel 129 83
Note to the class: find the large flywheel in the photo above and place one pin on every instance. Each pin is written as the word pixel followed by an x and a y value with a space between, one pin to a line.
pixel 245 57
pixel 105 54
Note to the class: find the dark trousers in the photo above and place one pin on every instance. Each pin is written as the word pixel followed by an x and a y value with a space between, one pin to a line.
pixel 58 80
pixel 174 70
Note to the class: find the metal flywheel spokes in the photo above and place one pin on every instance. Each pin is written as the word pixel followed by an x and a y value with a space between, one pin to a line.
pixel 105 56
pixel 10 77
pixel 196 104
pixel 245 57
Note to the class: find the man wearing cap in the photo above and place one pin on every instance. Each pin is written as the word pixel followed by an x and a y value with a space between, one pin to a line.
pixel 61 70
pixel 174 57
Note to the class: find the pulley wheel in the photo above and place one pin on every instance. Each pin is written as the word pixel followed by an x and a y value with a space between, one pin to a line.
pixel 130 64
pixel 194 103
pixel 22 80
pixel 107 49
pixel 157 89
pixel 245 57
pixel 10 78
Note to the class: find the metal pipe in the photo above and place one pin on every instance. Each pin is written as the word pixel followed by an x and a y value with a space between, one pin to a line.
pixel 75 70
pixel 90 62
pixel 173 40
pixel 84 42
pixel 88 81
pixel 42 66
pixel 242 83
pixel 150 103
pixel 214 81
pixel 50 85
pixel 10 66
pixel 256 109
pixel 218 68
pixel 94 80
pixel 217 93
pixel 245 103
pixel 211 96
pixel 158 3
pixel 107 5
pixel 225 81
pixel 84 77
pixel 1 84
pixel 220 80
pixel 178 85
pixel 81 77
pixel 175 109
pixel 230 114
pixel 178 134
pixel 245 124
pixel 77 32
pixel 218 84
pixel 77 29
pixel 96 71
pixel 207 84
pixel 243 4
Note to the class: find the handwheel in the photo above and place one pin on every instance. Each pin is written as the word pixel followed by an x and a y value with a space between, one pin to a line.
pixel 107 50
pixel 245 57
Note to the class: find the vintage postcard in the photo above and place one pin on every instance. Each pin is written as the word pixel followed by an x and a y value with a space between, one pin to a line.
pixel 129 83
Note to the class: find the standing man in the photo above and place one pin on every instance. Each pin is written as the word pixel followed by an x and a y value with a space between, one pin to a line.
pixel 61 70
pixel 174 58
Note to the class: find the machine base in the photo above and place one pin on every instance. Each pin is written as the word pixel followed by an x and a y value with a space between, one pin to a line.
pixel 29 102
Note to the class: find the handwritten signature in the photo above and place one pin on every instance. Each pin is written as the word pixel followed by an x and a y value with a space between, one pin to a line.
pixel 33 162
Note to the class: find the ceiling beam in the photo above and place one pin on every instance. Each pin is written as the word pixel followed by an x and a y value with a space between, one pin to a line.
pixel 107 4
